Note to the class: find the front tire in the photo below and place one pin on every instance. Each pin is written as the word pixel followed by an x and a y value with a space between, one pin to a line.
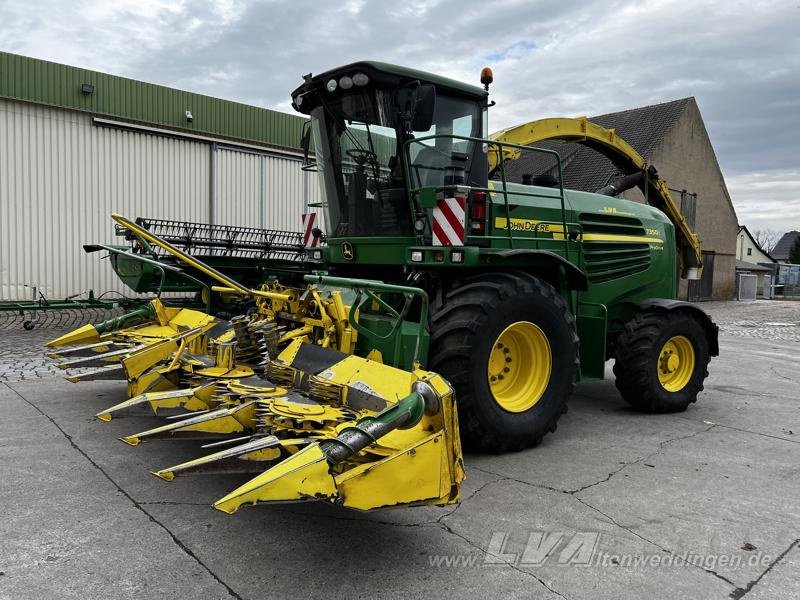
pixel 507 344
pixel 661 361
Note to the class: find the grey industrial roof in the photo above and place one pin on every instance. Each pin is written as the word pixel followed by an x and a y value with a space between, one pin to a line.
pixel 585 169
pixel 784 245
pixel 53 84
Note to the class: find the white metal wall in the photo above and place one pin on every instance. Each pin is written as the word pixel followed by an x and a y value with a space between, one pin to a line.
pixel 61 177
pixel 238 184
pixel 260 190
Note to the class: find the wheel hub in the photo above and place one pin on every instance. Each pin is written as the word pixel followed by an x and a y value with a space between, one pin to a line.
pixel 669 362
pixel 676 363
pixel 519 366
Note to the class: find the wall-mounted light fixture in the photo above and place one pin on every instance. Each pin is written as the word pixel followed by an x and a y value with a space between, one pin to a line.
pixel 189 117
pixel 87 89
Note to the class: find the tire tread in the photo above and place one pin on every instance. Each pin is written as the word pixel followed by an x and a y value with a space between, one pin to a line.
pixel 456 322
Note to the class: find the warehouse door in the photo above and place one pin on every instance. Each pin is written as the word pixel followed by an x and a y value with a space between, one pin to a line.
pixel 702 289
pixel 257 189
pixel 61 178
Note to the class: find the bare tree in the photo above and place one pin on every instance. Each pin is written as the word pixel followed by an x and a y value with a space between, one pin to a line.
pixel 767 239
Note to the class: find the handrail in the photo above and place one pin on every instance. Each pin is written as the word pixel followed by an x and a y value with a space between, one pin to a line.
pixel 501 146
pixel 369 288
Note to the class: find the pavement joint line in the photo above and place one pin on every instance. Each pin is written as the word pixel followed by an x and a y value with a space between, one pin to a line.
pixel 661 445
pixel 768 435
pixel 471 496
pixel 649 541
pixel 739 391
pixel 529 483
pixel 780 375
pixel 658 450
pixel 438 525
pixel 136 504
pixel 574 494
pixel 450 530
pixel 750 431
pixel 740 592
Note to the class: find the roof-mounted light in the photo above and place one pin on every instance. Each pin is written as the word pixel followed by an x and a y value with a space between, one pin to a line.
pixel 345 83
pixel 331 85
pixel 360 79
pixel 487 77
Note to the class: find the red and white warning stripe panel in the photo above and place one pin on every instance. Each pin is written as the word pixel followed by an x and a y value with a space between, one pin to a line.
pixel 309 241
pixel 448 221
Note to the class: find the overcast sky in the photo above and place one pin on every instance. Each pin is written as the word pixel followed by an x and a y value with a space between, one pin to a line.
pixel 741 60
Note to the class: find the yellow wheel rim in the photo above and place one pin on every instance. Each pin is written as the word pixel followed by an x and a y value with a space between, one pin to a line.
pixel 519 366
pixel 675 363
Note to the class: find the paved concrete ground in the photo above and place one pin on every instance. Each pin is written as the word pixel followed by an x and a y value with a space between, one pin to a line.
pixel 21 355
pixel 708 499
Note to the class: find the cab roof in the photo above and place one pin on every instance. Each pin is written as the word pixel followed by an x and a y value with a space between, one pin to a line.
pixel 428 77
pixel 376 68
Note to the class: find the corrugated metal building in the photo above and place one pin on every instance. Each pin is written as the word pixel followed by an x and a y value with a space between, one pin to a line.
pixel 77 145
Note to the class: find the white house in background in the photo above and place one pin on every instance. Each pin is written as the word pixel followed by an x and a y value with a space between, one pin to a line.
pixel 748 250
pixel 751 259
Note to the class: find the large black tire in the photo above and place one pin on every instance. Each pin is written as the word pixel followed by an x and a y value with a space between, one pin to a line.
pixel 639 355
pixel 466 324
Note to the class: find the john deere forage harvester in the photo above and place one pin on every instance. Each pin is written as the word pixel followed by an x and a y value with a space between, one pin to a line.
pixel 434 260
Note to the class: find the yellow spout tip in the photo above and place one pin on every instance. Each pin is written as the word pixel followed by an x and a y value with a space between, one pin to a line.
pixel 104 417
pixel 166 474
pixel 81 335
pixel 227 507
pixel 303 476
pixel 131 440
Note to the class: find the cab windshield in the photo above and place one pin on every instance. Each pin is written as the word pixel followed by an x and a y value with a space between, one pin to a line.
pixel 358 139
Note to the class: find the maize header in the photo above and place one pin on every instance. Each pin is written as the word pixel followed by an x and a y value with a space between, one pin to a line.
pixel 325 400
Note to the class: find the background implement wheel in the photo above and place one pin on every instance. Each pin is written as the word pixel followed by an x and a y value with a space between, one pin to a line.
pixel 661 361
pixel 507 344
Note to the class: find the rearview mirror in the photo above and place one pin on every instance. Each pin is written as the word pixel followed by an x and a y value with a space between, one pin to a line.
pixel 305 138
pixel 425 105
pixel 415 104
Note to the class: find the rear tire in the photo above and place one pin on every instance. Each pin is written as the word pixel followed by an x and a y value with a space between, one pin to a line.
pixel 481 331
pixel 661 361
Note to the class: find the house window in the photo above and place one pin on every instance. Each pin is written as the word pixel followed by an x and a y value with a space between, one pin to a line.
pixel 749 252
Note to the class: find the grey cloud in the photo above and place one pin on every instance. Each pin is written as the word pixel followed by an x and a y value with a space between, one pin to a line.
pixel 741 60
pixel 767 199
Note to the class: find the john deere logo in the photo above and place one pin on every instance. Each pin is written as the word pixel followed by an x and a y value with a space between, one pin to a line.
pixel 347 251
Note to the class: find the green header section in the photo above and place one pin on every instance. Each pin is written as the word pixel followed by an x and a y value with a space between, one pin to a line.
pixel 43 82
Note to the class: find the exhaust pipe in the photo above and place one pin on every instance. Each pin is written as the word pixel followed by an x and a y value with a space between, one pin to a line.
pixel 621 184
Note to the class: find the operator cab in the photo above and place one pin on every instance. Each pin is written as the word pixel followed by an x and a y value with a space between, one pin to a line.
pixel 381 131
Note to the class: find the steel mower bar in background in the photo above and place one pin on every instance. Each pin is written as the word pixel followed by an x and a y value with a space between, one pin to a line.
pixel 203 239
pixel 39 305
